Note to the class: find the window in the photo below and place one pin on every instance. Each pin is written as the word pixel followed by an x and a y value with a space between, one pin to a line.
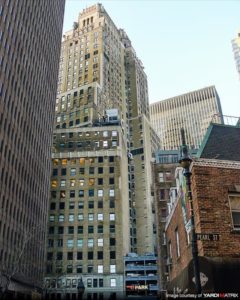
pixel 54 183
pixel 100 255
pixel 91 181
pixel 111 193
pixel 69 269
pixel 80 229
pixel 79 256
pixel 100 284
pixel 177 243
pixel 100 217
pixel 100 228
pixel 80 204
pixel 90 217
pixel 112 217
pixel 91 204
pixel 105 143
pixel 72 194
pixel 91 170
pixel 90 229
pixel 71 217
pixel 112 268
pixel 112 254
pixel 234 200
pixel 112 241
pixel 82 171
pixel 100 181
pixel 111 203
pixel 59 242
pixel 111 180
pixel 72 171
pixel 100 170
pixel 81 182
pixel 100 269
pixel 111 158
pixel 71 205
pixel 100 193
pixel 52 205
pixel 51 230
pixel 81 193
pixel 114 133
pixel 100 159
pixel 100 204
pixel 105 133
pixel 90 268
pixel 168 176
pixel 62 194
pixel 100 242
pixel 80 217
pixel 80 243
pixel 59 255
pixel 69 243
pixel 89 282
pixel 90 254
pixel 61 205
pixel 70 229
pixel 95 282
pixel 72 182
pixel 61 218
pixel 112 228
pixel 79 269
pixel 160 176
pixel 70 255
pixel 113 282
pixel 111 169
pixel 60 230
pixel 91 193
pixel 82 161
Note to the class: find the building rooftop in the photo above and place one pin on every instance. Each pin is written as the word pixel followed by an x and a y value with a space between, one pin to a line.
pixel 221 142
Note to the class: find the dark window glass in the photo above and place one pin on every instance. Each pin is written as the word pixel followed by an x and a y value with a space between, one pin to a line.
pixel 100 170
pixel 70 229
pixel 55 172
pixel 60 230
pixel 112 242
pixel 112 254
pixel 61 205
pixel 90 254
pixel 70 255
pixel 79 255
pixel 91 204
pixel 100 255
pixel 111 169
pixel 100 159
pixel 80 229
pixel 100 228
pixel 90 229
pixel 52 205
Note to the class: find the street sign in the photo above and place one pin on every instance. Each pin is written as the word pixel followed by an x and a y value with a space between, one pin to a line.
pixel 207 236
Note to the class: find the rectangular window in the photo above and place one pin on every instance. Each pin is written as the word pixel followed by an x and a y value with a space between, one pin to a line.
pixel 112 268
pixel 80 229
pixel 69 243
pixel 100 217
pixel 72 171
pixel 89 282
pixel 90 268
pixel 70 229
pixel 111 193
pixel 100 228
pixel 80 205
pixel 80 243
pixel 100 242
pixel 90 217
pixel 79 269
pixel 81 182
pixel 79 255
pixel 71 217
pixel 100 193
pixel 80 217
pixel 90 229
pixel 234 200
pixel 112 217
pixel 63 182
pixel 100 269
pixel 113 282
pixel 160 176
pixel 61 218
pixel 177 243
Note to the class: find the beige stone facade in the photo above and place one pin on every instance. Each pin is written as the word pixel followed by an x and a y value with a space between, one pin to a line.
pixel 99 123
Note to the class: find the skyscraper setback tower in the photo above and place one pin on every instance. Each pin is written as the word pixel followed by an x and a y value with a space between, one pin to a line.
pixel 100 206
pixel 236 51
pixel 30 43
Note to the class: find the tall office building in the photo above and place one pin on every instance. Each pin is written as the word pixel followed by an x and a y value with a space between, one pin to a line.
pixel 100 206
pixel 30 38
pixel 193 111
pixel 236 51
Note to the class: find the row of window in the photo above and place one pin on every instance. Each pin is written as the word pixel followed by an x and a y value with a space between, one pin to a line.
pixel 90 255
pixel 81 160
pixel 80 205
pixel 81 171
pixel 81 193
pixel 80 229
pixel 82 181
pixel 80 217
pixel 97 144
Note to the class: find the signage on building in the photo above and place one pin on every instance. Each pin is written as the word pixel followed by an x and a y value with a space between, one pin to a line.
pixel 136 287
pixel 207 236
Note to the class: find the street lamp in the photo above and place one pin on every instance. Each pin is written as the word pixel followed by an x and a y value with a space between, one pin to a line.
pixel 185 162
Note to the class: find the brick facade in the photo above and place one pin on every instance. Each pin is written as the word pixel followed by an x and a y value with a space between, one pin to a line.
pixel 212 182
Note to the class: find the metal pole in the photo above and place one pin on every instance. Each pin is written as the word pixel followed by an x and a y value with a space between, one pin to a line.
pixel 196 268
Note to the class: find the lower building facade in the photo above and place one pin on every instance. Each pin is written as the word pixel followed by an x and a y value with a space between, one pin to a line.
pixel 88 227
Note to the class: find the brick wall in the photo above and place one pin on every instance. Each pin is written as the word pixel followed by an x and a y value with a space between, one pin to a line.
pixel 210 188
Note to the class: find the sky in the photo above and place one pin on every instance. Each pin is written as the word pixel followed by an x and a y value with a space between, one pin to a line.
pixel 184 45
